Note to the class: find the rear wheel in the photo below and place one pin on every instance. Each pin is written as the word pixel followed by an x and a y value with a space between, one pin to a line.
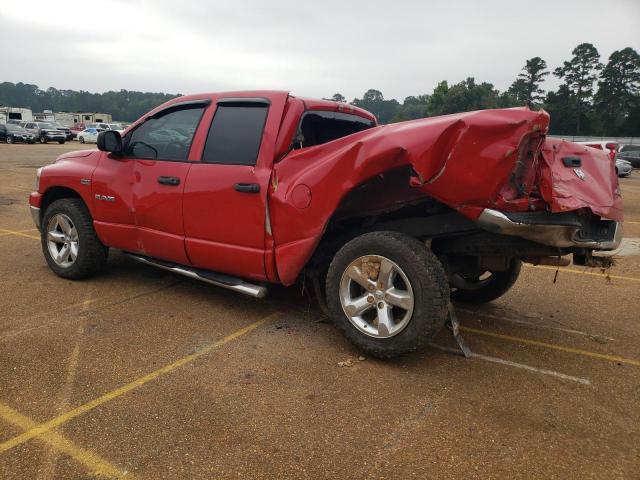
pixel 9 139
pixel 43 139
pixel 69 242
pixel 81 139
pixel 484 287
pixel 387 292
pixel 61 142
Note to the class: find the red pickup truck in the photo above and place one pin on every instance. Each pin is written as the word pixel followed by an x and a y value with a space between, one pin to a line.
pixel 247 189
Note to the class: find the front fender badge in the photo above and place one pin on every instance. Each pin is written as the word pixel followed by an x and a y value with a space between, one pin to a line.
pixel 579 173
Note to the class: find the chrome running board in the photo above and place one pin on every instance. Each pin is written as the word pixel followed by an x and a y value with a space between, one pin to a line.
pixel 207 276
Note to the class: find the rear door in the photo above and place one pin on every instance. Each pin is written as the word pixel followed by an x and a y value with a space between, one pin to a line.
pixel 225 194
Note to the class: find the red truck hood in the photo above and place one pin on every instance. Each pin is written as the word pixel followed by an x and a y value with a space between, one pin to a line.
pixel 76 154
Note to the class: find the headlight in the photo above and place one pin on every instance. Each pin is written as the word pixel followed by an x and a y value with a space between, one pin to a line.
pixel 38 172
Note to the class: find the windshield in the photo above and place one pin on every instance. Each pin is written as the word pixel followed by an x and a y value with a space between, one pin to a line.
pixel 115 126
pixel 46 125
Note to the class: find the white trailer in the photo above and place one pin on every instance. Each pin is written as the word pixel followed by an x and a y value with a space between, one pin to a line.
pixel 65 118
pixel 92 117
pixel 46 116
pixel 15 113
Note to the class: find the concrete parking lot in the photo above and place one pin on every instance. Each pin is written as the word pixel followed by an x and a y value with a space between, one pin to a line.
pixel 143 374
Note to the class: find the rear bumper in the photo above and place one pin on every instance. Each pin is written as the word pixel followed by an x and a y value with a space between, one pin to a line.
pixel 556 230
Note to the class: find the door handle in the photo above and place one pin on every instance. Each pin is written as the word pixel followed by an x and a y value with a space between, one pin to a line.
pixel 247 187
pixel 171 181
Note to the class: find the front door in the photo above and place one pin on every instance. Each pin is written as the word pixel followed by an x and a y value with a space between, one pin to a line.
pixel 151 176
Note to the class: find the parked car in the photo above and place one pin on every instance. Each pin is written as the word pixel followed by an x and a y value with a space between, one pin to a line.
pixel 623 167
pixel 630 153
pixel 69 135
pixel 44 132
pixel 11 133
pixel 100 126
pixel 387 221
pixel 88 135
pixel 115 126
pixel 77 128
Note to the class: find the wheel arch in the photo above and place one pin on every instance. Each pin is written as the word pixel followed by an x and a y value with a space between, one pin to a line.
pixel 361 209
pixel 56 193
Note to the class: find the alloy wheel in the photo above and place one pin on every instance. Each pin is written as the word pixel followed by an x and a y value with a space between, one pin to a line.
pixel 376 296
pixel 62 240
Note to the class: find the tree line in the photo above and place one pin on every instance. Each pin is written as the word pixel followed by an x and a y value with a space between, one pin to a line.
pixel 592 99
pixel 124 105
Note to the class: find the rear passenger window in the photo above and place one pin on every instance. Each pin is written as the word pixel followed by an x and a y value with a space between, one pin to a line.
pixel 167 136
pixel 235 134
pixel 318 127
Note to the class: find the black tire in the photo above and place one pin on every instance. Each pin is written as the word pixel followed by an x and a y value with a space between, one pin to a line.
pixel 81 139
pixel 43 139
pixel 61 142
pixel 493 287
pixel 92 254
pixel 9 139
pixel 428 282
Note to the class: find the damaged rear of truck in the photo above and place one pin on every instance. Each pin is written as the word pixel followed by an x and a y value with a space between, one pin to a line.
pixel 397 218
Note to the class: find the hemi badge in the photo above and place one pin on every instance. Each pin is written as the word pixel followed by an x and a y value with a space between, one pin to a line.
pixel 85 181
pixel 579 173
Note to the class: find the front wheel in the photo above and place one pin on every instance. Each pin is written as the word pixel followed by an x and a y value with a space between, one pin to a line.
pixel 388 293
pixel 70 244
pixel 43 139
pixel 81 139
pixel 483 287
pixel 9 139
pixel 61 142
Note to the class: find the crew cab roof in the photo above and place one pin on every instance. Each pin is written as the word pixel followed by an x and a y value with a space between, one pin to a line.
pixel 309 103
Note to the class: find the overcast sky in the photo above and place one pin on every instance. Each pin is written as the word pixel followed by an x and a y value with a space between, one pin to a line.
pixel 311 48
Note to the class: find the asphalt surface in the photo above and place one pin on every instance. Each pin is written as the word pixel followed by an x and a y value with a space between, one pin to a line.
pixel 142 374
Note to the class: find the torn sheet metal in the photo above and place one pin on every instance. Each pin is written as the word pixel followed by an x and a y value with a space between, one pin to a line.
pixel 468 161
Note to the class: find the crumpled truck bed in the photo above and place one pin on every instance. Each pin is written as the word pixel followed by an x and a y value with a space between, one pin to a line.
pixel 497 159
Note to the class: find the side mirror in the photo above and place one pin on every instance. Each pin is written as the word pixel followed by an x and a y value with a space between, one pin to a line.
pixel 110 141
pixel 611 146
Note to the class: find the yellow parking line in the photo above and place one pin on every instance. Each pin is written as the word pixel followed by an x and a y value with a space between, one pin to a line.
pixel 13 232
pixel 593 274
pixel 18 233
pixel 45 427
pixel 91 460
pixel 602 356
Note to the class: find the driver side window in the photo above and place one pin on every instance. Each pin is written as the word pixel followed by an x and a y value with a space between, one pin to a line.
pixel 167 136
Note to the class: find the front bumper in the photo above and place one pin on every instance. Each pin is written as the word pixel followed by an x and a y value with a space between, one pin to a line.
pixel 557 230
pixel 23 138
pixel 35 215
